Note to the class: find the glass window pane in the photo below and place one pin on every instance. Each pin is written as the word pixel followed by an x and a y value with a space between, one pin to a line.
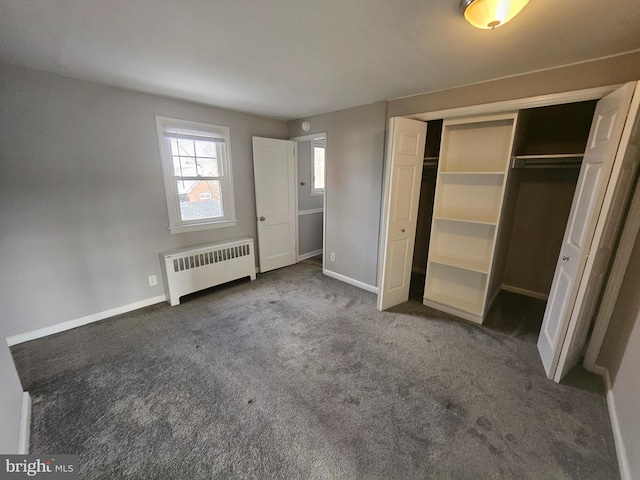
pixel 185 148
pixel 208 167
pixel 200 200
pixel 318 168
pixel 174 146
pixel 205 149
pixel 177 168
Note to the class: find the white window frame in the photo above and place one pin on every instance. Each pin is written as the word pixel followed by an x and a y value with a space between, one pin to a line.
pixel 176 224
pixel 316 143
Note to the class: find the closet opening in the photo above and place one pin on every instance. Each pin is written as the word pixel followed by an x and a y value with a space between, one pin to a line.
pixel 425 209
pixel 548 149
pixel 543 173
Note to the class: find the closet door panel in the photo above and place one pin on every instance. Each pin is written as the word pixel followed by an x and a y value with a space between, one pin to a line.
pixel 609 223
pixel 400 214
pixel 589 213
pixel 584 201
pixel 558 301
pixel 398 251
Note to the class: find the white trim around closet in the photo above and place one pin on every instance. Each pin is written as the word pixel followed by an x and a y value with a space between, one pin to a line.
pixel 517 104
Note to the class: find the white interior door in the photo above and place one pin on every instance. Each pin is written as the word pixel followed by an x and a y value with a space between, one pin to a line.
pixel 573 290
pixel 274 173
pixel 400 215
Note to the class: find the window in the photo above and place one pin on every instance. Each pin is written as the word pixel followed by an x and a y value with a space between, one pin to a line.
pixel 317 166
pixel 197 175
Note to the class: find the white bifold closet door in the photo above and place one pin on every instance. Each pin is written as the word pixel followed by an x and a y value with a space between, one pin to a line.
pixel 606 177
pixel 400 213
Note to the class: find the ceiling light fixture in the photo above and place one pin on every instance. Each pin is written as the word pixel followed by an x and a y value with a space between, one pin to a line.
pixel 489 14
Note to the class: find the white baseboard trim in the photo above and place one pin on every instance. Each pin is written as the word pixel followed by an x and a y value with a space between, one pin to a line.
pixel 61 327
pixel 351 281
pixel 25 425
pixel 304 256
pixel 621 451
pixel 524 291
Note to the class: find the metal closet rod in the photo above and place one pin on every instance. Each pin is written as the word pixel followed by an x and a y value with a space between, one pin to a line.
pixel 567 160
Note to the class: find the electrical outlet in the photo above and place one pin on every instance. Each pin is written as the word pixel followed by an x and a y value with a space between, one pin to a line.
pixel 333 256
pixel 153 280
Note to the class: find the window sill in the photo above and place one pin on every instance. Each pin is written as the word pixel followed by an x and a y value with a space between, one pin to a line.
pixel 194 227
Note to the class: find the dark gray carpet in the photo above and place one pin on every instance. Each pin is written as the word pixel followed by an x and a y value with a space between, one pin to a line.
pixel 296 375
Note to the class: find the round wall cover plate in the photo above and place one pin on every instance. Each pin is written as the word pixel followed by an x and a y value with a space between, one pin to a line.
pixel 306 126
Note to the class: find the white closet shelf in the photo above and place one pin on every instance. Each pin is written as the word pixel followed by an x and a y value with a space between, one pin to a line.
pixel 479 267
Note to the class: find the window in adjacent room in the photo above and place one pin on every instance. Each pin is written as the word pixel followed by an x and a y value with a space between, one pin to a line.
pixel 197 175
pixel 317 166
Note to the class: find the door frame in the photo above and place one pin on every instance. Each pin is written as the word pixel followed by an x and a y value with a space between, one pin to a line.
pixel 305 138
pixel 600 324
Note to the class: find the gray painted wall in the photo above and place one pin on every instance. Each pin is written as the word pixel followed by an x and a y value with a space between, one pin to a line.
pixel 544 198
pixel 354 162
pixel 620 354
pixel 309 233
pixel 84 212
pixel 10 400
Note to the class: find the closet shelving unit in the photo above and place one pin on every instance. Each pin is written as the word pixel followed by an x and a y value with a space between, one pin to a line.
pixel 473 167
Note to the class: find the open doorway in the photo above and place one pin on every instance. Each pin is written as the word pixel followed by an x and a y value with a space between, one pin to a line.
pixel 311 193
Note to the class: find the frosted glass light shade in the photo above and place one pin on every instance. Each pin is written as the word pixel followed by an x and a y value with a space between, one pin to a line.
pixel 489 14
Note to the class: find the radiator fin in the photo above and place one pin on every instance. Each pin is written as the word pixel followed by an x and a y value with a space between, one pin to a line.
pixel 214 256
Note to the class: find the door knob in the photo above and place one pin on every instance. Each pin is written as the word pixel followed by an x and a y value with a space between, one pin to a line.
pixel 403 230
pixel 262 219
pixel 565 258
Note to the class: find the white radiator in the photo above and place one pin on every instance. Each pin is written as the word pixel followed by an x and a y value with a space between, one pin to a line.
pixel 187 270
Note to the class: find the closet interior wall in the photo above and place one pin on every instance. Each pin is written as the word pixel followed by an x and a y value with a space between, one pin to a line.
pixel 425 206
pixel 544 193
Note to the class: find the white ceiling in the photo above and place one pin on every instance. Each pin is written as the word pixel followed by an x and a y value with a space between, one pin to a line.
pixel 293 58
